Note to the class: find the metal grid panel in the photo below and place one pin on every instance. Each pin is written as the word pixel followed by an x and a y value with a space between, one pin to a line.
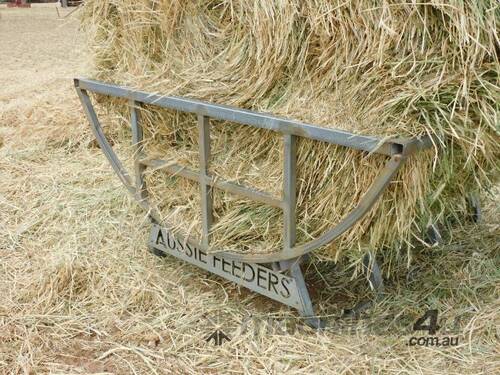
pixel 399 150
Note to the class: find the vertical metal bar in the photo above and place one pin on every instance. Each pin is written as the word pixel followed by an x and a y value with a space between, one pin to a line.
pixel 289 190
pixel 206 191
pixel 374 274
pixel 137 138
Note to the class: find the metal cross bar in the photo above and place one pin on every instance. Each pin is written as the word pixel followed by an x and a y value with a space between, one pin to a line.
pixel 215 182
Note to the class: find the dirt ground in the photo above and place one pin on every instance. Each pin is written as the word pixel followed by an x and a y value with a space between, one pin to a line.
pixel 79 293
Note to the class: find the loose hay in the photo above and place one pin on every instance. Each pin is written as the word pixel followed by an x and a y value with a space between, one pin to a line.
pixel 70 237
pixel 389 70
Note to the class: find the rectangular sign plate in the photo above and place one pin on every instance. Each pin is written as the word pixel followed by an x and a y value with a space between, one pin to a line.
pixel 253 276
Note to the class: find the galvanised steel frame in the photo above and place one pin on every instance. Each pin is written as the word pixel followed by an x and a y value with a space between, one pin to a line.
pixel 288 259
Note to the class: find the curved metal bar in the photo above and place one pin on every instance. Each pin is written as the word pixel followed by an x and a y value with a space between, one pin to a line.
pixel 106 148
pixel 366 203
pixel 368 200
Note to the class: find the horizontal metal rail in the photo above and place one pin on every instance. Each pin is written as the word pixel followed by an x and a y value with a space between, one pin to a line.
pixel 230 187
pixel 242 116
pixel 398 150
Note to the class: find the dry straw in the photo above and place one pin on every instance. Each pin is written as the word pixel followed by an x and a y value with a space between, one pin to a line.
pixel 79 293
pixel 379 68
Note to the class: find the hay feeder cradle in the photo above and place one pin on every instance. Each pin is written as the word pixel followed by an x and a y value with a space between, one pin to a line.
pixel 276 275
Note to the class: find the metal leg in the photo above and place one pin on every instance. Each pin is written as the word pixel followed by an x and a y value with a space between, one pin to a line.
pixel 433 235
pixel 376 284
pixel 307 310
pixel 153 250
pixel 475 207
pixel 374 275
pixel 290 232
